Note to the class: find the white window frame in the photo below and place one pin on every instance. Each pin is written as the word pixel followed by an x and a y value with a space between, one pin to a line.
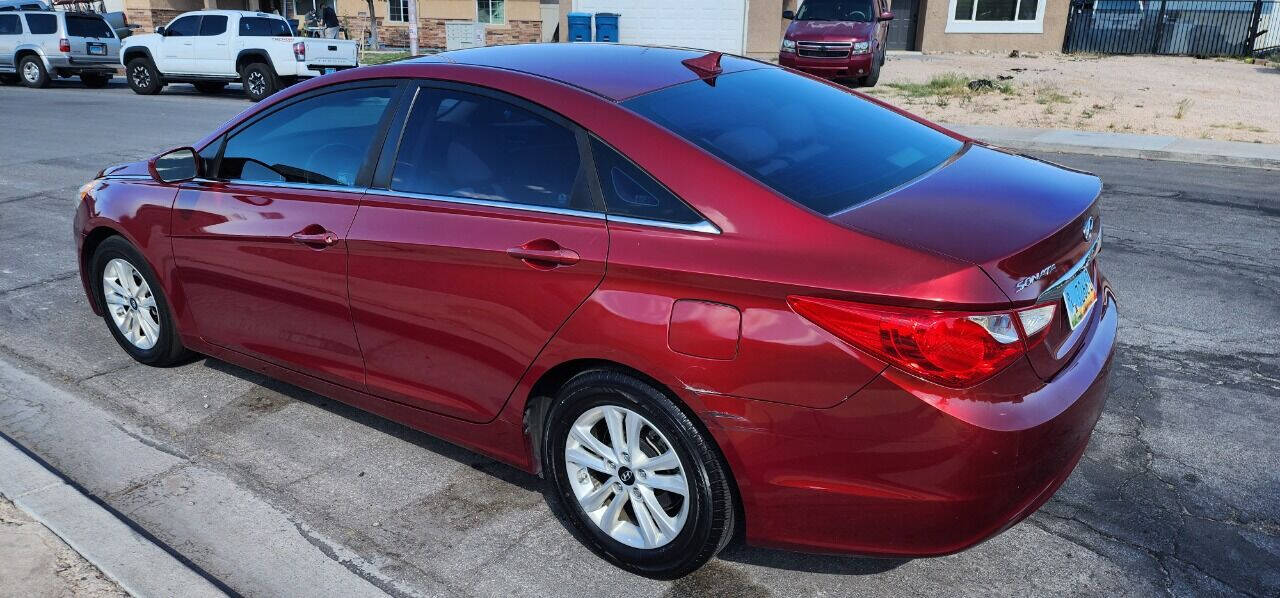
pixel 404 13
pixel 1015 26
pixel 490 2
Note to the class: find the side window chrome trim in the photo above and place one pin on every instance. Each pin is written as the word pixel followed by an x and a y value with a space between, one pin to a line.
pixel 303 186
pixel 486 203
pixel 704 226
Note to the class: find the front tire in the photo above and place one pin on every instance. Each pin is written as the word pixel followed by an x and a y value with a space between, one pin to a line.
pixel 642 485
pixel 873 77
pixel 259 81
pixel 32 72
pixel 135 308
pixel 143 77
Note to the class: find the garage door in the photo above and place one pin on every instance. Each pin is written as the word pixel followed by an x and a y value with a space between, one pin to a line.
pixel 704 24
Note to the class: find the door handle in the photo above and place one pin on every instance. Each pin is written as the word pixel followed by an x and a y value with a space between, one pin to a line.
pixel 320 240
pixel 544 254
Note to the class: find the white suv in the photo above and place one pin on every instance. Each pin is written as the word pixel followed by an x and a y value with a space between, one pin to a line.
pixel 210 48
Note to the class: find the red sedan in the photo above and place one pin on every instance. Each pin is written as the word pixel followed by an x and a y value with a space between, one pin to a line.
pixel 698 294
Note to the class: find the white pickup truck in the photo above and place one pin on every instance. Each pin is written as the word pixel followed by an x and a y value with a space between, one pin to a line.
pixel 210 48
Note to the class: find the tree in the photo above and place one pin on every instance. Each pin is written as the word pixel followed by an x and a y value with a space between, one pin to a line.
pixel 373 27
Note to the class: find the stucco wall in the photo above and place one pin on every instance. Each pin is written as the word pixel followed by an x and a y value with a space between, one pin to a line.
pixel 934 38
pixel 764 28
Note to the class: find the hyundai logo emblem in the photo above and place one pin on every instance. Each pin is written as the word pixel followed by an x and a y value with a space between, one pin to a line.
pixel 1088 228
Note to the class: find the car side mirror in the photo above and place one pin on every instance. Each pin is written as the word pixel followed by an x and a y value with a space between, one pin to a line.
pixel 175 165
pixel 160 30
pixel 886 15
pixel 789 14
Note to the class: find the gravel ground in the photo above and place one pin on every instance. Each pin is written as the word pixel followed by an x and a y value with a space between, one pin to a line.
pixel 34 563
pixel 1227 100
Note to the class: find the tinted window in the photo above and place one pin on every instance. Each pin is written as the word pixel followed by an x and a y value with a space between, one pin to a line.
pixel 835 10
pixel 41 24
pixel 320 140
pixel 464 145
pixel 819 145
pixel 88 27
pixel 9 25
pixel 263 27
pixel 628 191
pixel 213 25
pixel 184 27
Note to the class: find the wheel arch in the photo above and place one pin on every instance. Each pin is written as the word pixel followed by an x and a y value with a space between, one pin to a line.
pixel 29 50
pixel 92 241
pixel 247 57
pixel 134 52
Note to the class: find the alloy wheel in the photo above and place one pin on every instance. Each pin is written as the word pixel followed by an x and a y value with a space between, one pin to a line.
pixel 627 477
pixel 30 72
pixel 131 304
pixel 141 77
pixel 257 84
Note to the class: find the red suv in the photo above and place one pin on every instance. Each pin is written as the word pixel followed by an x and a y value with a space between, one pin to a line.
pixel 837 39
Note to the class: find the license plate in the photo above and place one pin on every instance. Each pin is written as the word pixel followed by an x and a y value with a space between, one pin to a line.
pixel 98 49
pixel 329 70
pixel 1079 296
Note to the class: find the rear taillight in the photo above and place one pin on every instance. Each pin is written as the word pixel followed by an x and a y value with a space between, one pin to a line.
pixel 956 349
pixel 64 45
pixel 300 51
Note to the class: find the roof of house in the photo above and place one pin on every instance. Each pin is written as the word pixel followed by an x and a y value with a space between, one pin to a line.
pixel 613 71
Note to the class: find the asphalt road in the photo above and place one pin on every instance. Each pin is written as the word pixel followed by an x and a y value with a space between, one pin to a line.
pixel 276 491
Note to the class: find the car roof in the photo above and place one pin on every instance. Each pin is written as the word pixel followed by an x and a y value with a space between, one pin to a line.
pixel 243 13
pixel 613 71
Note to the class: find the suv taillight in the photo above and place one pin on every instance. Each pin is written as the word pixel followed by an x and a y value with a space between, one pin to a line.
pixel 300 51
pixel 64 45
pixel 955 349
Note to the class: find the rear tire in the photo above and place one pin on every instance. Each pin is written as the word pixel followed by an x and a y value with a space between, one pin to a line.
pixel 134 305
pixel 31 71
pixel 259 81
pixel 671 534
pixel 95 81
pixel 210 87
pixel 143 77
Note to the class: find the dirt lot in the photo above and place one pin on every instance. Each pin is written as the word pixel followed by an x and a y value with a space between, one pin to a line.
pixel 1221 99
pixel 34 563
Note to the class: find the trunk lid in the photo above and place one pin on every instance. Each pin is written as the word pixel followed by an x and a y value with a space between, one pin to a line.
pixel 1020 219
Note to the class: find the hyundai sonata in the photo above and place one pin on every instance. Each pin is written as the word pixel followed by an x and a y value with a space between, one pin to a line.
pixel 700 295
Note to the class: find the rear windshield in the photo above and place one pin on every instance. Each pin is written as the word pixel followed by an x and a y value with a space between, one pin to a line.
pixel 264 27
pixel 817 144
pixel 87 27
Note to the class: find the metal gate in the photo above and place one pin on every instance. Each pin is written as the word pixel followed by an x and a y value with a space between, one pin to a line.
pixel 1191 27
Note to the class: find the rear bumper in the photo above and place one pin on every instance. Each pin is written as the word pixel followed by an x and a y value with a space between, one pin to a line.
pixel 79 64
pixel 855 65
pixel 897 471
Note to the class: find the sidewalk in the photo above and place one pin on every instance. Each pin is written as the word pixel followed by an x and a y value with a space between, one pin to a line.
pixel 56 541
pixel 1126 145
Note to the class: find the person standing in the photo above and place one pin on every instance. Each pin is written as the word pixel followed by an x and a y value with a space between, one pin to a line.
pixel 330 21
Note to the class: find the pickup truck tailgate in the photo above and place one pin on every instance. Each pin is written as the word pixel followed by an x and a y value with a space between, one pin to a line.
pixel 329 52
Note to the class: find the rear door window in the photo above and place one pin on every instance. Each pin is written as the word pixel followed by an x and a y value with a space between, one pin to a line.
pixel 322 140
pixel 9 25
pixel 42 24
pixel 213 25
pixel 819 145
pixel 185 27
pixel 263 27
pixel 460 144
pixel 78 26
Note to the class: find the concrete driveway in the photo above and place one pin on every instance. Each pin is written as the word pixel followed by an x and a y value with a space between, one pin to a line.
pixel 275 491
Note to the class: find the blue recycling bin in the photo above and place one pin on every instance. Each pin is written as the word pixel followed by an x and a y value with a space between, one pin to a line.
pixel 607 27
pixel 579 26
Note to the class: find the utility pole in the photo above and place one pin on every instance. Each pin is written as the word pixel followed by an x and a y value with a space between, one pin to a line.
pixel 413 27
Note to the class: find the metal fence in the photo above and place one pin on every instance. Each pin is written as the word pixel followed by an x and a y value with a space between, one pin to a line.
pixel 1192 27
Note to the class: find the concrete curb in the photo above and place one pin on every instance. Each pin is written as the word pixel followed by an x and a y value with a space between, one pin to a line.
pixel 139 565
pixel 1125 145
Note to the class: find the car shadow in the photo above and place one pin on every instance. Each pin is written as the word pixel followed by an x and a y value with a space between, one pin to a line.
pixel 737 551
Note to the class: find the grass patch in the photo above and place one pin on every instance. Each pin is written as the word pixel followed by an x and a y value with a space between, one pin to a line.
pixel 943 88
pixel 1239 126
pixel 372 58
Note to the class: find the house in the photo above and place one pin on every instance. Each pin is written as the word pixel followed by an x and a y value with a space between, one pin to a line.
pixel 754 27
